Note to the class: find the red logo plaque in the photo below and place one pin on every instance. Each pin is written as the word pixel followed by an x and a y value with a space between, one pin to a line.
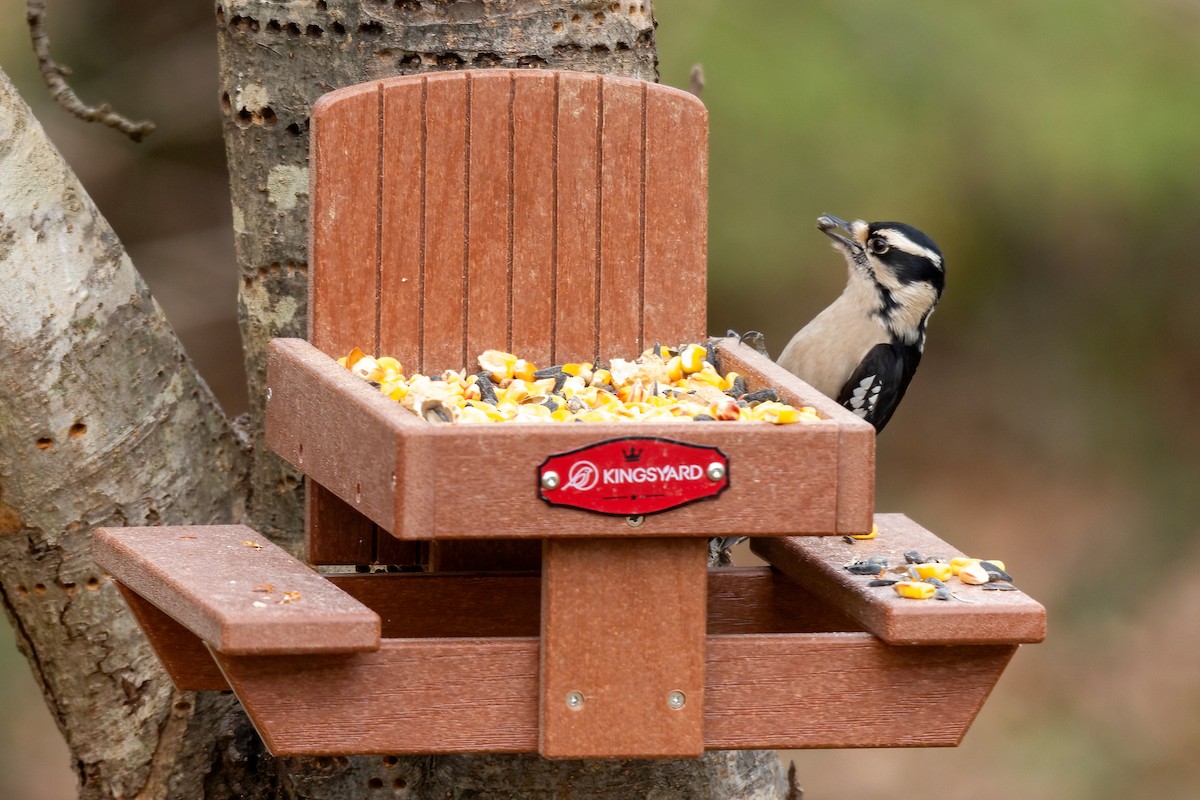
pixel 633 476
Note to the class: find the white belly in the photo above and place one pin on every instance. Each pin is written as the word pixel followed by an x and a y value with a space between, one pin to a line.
pixel 826 351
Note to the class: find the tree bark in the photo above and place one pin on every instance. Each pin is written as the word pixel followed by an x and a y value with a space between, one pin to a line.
pixel 103 421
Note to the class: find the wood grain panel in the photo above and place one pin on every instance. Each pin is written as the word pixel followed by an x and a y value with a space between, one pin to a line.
pixel 334 531
pixel 843 690
pixel 533 215
pixel 676 229
pixel 619 317
pixel 410 696
pixel 488 279
pixel 987 617
pixel 577 162
pixel 402 204
pixel 446 116
pixel 471 695
pixel 607 606
pixel 344 232
pixel 236 590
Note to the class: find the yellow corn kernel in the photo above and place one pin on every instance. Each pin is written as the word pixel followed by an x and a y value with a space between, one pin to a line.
pixel 915 590
pixel 601 377
pixel 692 358
pixel 352 359
pixel 366 368
pixel 389 364
pixel 728 381
pixel 398 391
pixel 562 414
pixel 934 569
pixel 675 369
pixel 959 563
pixel 516 391
pixel 707 376
pixel 471 414
pixel 472 392
pixel 498 363
pixel 862 536
pixel 973 574
pixel 726 409
pixel 523 369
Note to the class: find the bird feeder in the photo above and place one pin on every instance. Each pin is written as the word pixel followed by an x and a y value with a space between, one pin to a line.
pixel 561 216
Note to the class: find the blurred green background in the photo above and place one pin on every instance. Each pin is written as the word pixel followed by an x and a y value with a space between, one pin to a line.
pixel 1051 149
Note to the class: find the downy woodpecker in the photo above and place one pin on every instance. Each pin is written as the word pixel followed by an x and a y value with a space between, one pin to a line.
pixel 864 348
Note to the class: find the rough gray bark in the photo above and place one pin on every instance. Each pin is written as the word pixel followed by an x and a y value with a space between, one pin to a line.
pixel 103 421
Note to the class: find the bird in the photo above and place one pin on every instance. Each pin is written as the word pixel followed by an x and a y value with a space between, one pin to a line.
pixel 864 348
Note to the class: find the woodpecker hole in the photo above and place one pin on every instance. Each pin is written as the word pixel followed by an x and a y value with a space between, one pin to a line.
pixel 399 783
pixel 557 27
pixel 77 430
pixel 93 583
pixel 44 443
pixel 375 783
pixel 39 588
pixel 315 31
pixel 371 28
pixel 391 761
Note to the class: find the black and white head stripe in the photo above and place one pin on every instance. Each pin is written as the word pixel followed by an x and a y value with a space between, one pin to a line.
pixel 911 255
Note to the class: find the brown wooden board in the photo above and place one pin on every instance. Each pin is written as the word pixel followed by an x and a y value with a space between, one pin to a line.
pixel 480 695
pixel 977 617
pixel 480 481
pixel 236 590
pixel 623 626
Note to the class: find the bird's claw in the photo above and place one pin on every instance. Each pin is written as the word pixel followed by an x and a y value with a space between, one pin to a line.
pixel 752 338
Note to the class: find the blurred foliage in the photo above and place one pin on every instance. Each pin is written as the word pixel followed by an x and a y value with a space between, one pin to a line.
pixel 1049 148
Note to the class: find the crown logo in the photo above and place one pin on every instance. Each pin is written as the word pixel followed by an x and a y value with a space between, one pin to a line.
pixel 632 455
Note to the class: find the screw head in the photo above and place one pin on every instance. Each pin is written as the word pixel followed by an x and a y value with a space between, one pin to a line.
pixel 715 471
pixel 575 700
pixel 676 700
pixel 635 520
pixel 550 480
pixel 268 394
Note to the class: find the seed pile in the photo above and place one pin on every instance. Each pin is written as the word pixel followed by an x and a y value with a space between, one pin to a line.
pixel 921 578
pixel 662 384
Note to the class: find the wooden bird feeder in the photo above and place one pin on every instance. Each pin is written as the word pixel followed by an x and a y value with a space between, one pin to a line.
pixel 560 216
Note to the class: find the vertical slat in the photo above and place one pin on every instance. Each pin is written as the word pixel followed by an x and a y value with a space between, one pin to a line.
pixel 532 216
pixel 345 202
pixel 676 223
pixel 488 279
pixel 401 253
pixel 343 275
pixel 577 222
pixel 446 116
pixel 623 627
pixel 620 302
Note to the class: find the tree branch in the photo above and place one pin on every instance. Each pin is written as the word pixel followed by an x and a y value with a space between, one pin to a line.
pixel 53 73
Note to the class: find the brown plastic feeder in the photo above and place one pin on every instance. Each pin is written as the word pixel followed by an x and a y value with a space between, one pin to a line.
pixel 560 216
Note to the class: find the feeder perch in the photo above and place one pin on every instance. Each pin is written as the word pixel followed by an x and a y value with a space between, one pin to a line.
pixel 562 217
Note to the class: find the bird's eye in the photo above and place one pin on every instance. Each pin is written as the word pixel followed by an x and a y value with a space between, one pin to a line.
pixel 878 246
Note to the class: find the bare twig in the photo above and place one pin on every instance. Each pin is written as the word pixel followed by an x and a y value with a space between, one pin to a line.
pixel 696 79
pixel 53 73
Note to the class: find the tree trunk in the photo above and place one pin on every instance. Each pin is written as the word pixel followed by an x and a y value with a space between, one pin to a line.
pixel 103 421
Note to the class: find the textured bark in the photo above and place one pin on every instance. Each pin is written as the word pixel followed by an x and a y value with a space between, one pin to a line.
pixel 103 421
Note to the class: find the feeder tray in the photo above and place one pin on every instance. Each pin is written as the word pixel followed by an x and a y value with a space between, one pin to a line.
pixel 560 216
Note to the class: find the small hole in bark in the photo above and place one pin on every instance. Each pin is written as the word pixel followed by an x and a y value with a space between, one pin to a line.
pixel 183 706
pixel 273 26
pixel 451 61
pixel 375 783
pixel 576 19
pixel 292 29
pixel 68 587
pixel 557 27
pixel 244 118
pixel 371 28
pixel 220 15
pixel 322 5
pixel 399 783
pixel 44 443
pixel 411 60
pixel 39 588
pixel 391 761
pixel 339 28
pixel 315 31
pixel 93 583
pixel 21 590
pixel 77 430
pixel 268 116
pixel 293 129
pixel 598 16
pixel 408 5
pixel 532 62
pixel 226 103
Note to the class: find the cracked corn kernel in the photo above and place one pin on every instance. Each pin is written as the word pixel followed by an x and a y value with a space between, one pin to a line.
pixel 915 590
pixel 934 569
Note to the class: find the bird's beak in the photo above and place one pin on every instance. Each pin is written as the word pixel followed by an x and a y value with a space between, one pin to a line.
pixel 829 225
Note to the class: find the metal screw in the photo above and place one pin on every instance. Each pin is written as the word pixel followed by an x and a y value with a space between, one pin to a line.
pixel 676 700
pixel 575 700
pixel 550 480
pixel 635 521
pixel 715 471
pixel 268 394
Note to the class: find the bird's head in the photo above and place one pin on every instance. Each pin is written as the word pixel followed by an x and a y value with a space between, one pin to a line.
pixel 901 268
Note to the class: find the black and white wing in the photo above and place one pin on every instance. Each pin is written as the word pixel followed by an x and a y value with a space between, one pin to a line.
pixel 878 384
